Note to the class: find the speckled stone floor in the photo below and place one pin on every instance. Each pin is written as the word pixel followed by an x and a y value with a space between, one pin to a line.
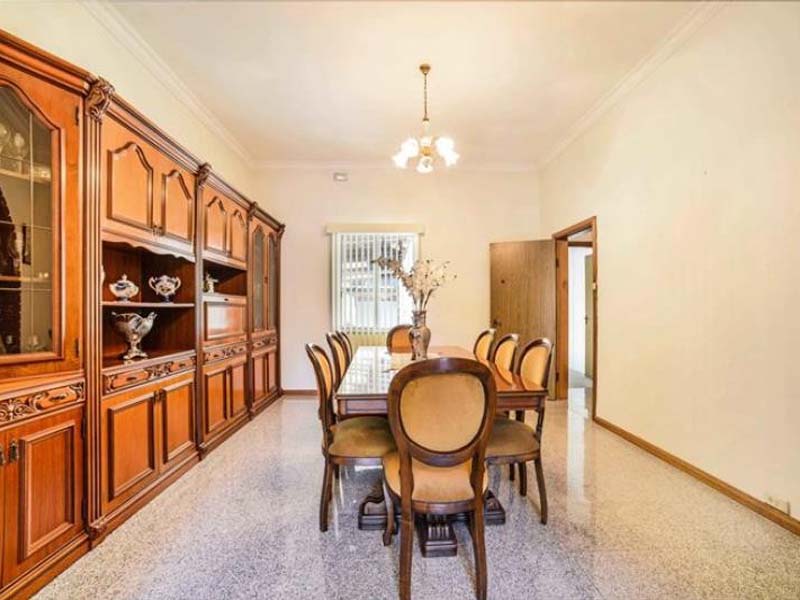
pixel 243 524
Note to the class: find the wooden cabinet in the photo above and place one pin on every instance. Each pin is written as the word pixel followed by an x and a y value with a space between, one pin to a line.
pixel 224 395
pixel 224 317
pixel 146 195
pixel 224 228
pixel 144 432
pixel 43 487
pixel 264 374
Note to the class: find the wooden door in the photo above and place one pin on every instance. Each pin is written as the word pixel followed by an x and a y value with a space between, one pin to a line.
pixel 215 221
pixel 237 380
pixel 523 289
pixel 589 278
pixel 272 370
pixel 237 246
pixel 258 279
pixel 177 420
pixel 176 214
pixel 43 485
pixel 128 445
pixel 258 366
pixel 128 170
pixel 215 399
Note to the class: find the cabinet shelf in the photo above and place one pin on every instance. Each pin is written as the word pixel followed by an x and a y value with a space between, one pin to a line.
pixel 110 303
pixel 111 362
pixel 25 176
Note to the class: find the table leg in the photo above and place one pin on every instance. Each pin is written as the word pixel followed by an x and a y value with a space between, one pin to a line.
pixel 372 510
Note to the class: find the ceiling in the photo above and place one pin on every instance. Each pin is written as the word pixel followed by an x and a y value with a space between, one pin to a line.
pixel 338 82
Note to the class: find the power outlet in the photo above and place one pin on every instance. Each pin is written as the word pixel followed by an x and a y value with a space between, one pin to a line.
pixel 780 504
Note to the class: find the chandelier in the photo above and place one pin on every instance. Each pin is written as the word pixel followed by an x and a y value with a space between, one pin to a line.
pixel 426 148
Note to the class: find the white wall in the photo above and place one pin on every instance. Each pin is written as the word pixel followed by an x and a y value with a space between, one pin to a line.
pixel 71 32
pixel 462 211
pixel 695 181
pixel 577 308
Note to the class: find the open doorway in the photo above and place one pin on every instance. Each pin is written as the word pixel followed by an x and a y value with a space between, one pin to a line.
pixel 576 315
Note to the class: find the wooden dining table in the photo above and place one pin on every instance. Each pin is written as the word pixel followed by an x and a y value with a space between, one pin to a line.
pixel 364 390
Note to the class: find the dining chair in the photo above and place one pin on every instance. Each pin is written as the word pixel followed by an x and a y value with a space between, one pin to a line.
pixel 348 344
pixel 397 339
pixel 512 442
pixel 355 441
pixel 441 413
pixel 505 351
pixel 339 354
pixel 483 345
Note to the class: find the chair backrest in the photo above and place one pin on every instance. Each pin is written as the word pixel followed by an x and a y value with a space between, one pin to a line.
pixel 505 351
pixel 397 339
pixel 441 412
pixel 534 361
pixel 483 345
pixel 339 354
pixel 348 345
pixel 324 373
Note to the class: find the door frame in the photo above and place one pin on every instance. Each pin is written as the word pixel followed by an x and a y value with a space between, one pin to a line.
pixel 562 244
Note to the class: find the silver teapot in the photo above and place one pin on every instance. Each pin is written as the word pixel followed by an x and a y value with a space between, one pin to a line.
pixel 123 289
pixel 164 286
pixel 133 327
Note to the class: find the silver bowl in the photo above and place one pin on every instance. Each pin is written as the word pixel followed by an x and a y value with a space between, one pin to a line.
pixel 133 327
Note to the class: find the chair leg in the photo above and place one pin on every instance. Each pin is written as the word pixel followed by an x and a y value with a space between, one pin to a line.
pixel 523 479
pixel 511 468
pixel 406 547
pixel 542 492
pixel 325 496
pixel 336 471
pixel 389 531
pixel 479 550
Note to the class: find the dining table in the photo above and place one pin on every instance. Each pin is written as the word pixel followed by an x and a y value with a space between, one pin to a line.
pixel 364 390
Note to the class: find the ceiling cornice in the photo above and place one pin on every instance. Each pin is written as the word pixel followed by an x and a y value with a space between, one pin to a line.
pixel 679 35
pixel 121 30
pixel 386 165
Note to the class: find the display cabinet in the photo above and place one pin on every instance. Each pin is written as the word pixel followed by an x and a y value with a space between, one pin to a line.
pixel 139 312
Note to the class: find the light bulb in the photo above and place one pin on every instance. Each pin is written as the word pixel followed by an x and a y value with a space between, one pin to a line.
pixel 425 165
pixel 445 145
pixel 400 160
pixel 410 147
pixel 451 158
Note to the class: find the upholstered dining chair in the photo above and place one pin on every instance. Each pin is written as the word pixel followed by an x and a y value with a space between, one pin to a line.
pixel 512 441
pixel 483 345
pixel 355 441
pixel 348 344
pixel 339 355
pixel 441 413
pixel 397 339
pixel 504 352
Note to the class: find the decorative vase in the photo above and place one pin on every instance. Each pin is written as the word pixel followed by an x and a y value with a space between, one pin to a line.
pixel 123 289
pixel 133 327
pixel 165 286
pixel 420 336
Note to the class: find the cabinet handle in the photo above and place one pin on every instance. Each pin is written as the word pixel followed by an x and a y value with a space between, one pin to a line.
pixel 13 452
pixel 2 456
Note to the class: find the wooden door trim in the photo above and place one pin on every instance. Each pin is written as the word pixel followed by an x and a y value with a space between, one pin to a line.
pixel 188 196
pixel 113 491
pixel 562 320
pixel 167 456
pixel 136 148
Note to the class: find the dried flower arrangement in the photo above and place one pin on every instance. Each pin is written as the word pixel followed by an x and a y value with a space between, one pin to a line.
pixel 421 281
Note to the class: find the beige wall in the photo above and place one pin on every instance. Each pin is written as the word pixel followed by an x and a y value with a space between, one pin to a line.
pixel 70 31
pixel 695 181
pixel 462 212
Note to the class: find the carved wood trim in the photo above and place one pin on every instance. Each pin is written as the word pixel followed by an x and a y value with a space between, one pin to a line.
pixel 202 173
pixel 19 407
pixel 115 382
pixel 99 99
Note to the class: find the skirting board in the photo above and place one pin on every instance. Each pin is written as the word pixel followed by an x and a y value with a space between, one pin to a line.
pixel 762 508
pixel 299 392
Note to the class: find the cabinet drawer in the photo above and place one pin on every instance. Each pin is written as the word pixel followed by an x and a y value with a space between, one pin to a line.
pixel 139 374
pixel 224 317
pixel 25 403
pixel 221 352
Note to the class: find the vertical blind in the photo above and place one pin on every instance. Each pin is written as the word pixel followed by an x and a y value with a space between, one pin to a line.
pixel 368 299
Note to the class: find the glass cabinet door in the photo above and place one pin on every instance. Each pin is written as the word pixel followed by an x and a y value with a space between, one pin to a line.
pixel 28 168
pixel 272 282
pixel 258 280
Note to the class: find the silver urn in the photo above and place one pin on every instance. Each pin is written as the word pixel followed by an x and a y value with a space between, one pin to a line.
pixel 165 286
pixel 133 327
pixel 123 289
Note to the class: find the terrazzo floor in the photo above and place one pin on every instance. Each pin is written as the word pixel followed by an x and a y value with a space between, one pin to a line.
pixel 243 524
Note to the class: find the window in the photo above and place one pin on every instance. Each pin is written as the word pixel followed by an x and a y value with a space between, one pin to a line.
pixel 366 298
